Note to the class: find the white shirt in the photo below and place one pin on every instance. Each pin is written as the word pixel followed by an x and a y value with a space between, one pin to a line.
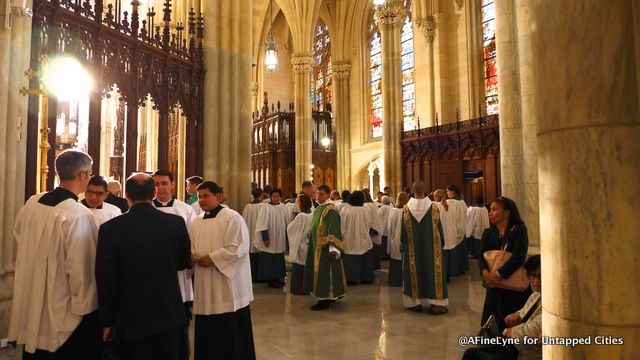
pixel 477 221
pixel 105 214
pixel 55 273
pixel 298 233
pixel 355 222
pixel 376 223
pixel 225 287
pixel 250 215
pixel 394 230
pixel 185 211
pixel 274 219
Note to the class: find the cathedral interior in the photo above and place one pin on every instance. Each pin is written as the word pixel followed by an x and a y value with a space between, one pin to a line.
pixel 536 100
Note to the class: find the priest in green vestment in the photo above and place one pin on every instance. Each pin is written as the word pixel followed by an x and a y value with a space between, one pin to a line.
pixel 422 240
pixel 324 272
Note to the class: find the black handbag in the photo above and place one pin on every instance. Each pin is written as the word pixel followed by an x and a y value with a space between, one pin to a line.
pixel 489 330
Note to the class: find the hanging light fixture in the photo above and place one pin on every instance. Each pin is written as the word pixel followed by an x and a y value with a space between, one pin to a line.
pixel 271 55
pixel 378 3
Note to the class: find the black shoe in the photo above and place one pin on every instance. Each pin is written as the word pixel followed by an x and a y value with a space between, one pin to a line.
pixel 417 308
pixel 321 305
pixel 438 310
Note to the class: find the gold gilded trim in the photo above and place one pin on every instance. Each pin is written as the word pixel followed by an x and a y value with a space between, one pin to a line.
pixel 406 215
pixel 437 251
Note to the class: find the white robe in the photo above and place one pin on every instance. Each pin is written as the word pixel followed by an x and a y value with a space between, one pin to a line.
pixel 55 273
pixel 458 212
pixel 250 215
pixel 274 219
pixel 225 287
pixel 292 208
pixel 394 231
pixel 355 222
pixel 105 214
pixel 376 223
pixel 185 211
pixel 298 233
pixel 477 221
pixel 383 215
pixel 447 218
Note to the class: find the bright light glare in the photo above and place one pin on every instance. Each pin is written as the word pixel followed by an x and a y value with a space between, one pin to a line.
pixel 271 59
pixel 66 78
pixel 378 2
pixel 325 141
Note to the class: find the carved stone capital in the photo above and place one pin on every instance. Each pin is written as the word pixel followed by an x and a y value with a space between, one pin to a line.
pixel 392 13
pixel 255 88
pixel 459 4
pixel 341 71
pixel 303 64
pixel 428 27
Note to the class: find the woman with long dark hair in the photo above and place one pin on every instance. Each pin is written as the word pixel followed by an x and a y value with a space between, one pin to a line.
pixel 507 230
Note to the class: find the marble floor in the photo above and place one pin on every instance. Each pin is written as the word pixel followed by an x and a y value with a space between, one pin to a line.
pixel 369 323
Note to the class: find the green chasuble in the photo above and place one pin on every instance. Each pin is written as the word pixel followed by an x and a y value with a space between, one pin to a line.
pixel 424 275
pixel 323 273
pixel 193 198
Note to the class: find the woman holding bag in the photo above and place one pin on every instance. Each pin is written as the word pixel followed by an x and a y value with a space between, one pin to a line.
pixel 508 233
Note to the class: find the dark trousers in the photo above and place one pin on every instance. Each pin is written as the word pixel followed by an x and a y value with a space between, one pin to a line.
pixel 497 352
pixel 84 343
pixel 165 346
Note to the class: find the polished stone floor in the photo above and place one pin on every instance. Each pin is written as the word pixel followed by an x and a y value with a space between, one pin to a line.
pixel 369 323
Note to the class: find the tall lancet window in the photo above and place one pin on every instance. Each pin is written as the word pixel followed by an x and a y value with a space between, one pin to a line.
pixel 489 51
pixel 375 75
pixel 321 89
pixel 407 68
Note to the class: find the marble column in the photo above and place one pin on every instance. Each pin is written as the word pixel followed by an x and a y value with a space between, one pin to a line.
pixel 302 69
pixel 341 94
pixel 390 19
pixel 227 100
pixel 588 100
pixel 428 29
pixel 518 115
pixel 14 60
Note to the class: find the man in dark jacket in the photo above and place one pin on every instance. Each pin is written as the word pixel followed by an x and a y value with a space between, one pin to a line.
pixel 138 257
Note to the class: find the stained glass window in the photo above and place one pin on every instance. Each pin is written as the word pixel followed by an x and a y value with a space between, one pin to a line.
pixel 407 66
pixel 375 72
pixel 489 55
pixel 321 90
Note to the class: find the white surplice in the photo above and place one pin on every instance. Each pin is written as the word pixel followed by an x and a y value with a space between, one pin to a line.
pixel 55 273
pixel 383 215
pixel 448 220
pixel 355 222
pixel 298 233
pixel 394 231
pixel 225 287
pixel 376 223
pixel 250 215
pixel 197 210
pixel 477 221
pixel 185 211
pixel 458 212
pixel 105 214
pixel 274 219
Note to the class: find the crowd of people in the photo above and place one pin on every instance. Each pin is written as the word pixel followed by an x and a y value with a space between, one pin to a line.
pixel 107 274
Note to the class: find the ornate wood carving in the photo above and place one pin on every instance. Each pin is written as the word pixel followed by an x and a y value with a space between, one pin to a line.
pixel 140 57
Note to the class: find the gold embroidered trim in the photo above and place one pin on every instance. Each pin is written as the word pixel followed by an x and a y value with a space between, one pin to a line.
pixel 406 215
pixel 437 251
pixel 321 241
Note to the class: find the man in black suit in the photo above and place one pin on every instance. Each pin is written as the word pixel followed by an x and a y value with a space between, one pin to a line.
pixel 113 196
pixel 138 257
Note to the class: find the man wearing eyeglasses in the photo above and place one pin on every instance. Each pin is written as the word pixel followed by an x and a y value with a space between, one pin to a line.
pixel 94 199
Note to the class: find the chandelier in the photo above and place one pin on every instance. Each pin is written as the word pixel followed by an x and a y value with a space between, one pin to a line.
pixel 271 55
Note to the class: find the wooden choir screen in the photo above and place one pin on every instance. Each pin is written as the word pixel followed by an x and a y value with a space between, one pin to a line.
pixel 273 148
pixel 465 153
pixel 135 55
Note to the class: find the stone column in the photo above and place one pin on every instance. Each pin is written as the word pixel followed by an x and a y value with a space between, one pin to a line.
pixel 341 94
pixel 255 90
pixel 14 60
pixel 390 19
pixel 518 116
pixel 588 99
pixel 442 79
pixel 428 29
pixel 302 69
pixel 227 111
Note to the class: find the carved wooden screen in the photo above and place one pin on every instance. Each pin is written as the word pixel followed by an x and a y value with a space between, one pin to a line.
pixel 139 57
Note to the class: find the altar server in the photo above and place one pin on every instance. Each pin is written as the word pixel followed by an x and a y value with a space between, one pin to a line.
pixel 94 200
pixel 271 239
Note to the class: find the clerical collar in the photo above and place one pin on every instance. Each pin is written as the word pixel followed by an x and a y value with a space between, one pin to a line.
pixel 159 204
pixel 58 195
pixel 271 203
pixel 213 213
pixel 84 202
